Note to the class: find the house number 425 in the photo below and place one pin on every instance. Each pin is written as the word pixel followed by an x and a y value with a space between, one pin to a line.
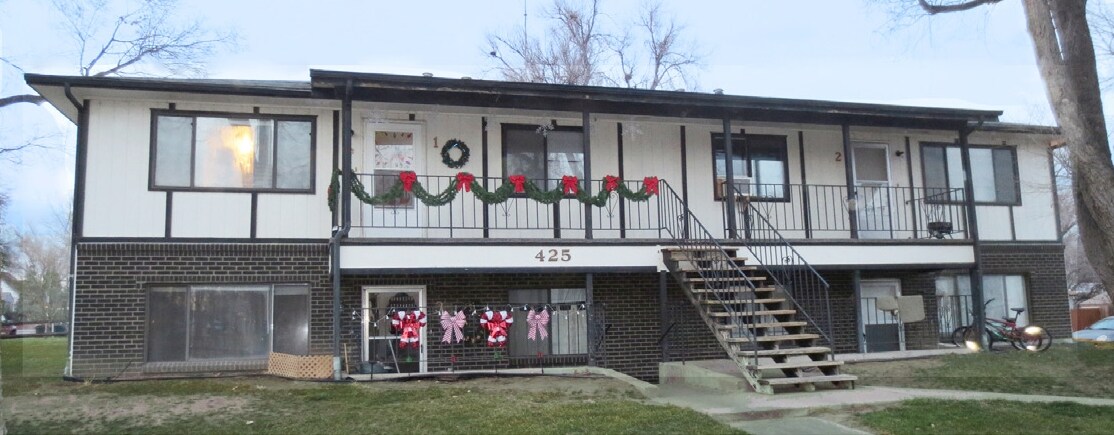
pixel 553 255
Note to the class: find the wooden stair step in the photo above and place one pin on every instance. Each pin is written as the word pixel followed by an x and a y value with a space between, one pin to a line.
pixel 773 338
pixel 753 313
pixel 742 301
pixel 794 324
pixel 807 379
pixel 734 289
pixel 787 351
pixel 728 278
pixel 742 268
pixel 795 365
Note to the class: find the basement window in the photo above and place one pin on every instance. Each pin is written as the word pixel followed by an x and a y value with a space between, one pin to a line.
pixel 220 322
pixel 231 152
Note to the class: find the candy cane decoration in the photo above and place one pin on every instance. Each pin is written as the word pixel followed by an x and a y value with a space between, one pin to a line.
pixel 496 323
pixel 453 326
pixel 408 323
pixel 538 320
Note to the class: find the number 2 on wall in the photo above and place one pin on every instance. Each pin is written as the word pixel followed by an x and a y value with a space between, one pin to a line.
pixel 554 255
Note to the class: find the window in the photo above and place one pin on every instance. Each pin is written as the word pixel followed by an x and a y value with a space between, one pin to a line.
pixel 543 156
pixel 193 151
pixel 210 322
pixel 763 158
pixel 568 322
pixel 993 173
pixel 1003 292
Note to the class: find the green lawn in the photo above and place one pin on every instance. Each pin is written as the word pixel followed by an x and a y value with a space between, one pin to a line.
pixel 1063 370
pixel 37 401
pixel 923 416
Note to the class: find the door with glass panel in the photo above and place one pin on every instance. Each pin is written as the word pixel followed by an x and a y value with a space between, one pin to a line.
pixel 873 203
pixel 544 155
pixel 882 331
pixel 383 349
pixel 390 149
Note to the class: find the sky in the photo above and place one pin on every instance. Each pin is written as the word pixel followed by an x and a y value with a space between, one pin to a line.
pixel 845 50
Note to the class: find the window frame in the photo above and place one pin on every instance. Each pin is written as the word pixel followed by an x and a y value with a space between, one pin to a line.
pixel 504 127
pixel 717 144
pixel 1026 287
pixel 189 288
pixel 944 146
pixel 194 114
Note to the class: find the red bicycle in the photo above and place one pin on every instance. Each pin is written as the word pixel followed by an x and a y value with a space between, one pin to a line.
pixel 1032 338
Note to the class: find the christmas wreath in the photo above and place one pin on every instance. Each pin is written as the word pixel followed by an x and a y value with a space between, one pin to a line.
pixel 447 157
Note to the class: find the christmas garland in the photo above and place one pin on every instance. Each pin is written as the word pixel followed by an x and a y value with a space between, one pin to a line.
pixel 447 158
pixel 514 185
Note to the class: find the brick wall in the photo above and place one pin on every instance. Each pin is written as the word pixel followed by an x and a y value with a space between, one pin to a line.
pixel 110 316
pixel 918 335
pixel 1046 281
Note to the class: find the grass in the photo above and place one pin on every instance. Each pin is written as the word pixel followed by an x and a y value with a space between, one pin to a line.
pixel 1064 370
pixel 37 401
pixel 927 416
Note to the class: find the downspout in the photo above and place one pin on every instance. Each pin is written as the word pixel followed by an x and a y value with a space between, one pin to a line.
pixel 75 229
pixel 345 218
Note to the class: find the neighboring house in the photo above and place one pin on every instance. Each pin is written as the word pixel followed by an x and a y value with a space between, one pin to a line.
pixel 206 239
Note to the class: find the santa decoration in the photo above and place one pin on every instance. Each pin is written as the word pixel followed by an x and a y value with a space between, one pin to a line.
pixel 496 323
pixel 408 324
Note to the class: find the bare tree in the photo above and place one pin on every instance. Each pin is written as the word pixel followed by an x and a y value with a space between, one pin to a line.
pixel 1065 52
pixel 41 270
pixel 580 48
pixel 145 34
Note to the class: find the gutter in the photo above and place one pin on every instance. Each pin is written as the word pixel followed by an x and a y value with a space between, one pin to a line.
pixel 346 220
pixel 82 126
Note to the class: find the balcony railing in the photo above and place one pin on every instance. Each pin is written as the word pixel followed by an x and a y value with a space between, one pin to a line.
pixel 809 211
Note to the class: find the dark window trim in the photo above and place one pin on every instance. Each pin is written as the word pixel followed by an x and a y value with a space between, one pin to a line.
pixel 270 309
pixel 717 143
pixel 946 145
pixel 153 149
pixel 549 301
pixel 504 127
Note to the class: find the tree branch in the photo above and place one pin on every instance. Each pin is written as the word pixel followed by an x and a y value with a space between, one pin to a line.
pixel 936 8
pixel 23 98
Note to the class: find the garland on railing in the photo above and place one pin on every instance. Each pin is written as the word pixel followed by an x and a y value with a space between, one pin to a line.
pixel 514 185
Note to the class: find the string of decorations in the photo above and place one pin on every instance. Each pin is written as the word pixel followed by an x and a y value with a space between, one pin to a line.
pixel 514 185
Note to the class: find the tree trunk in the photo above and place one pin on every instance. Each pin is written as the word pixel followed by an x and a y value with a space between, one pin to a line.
pixel 1066 57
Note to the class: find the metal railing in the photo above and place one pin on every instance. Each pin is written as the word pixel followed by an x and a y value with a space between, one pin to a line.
pixel 714 265
pixel 811 211
pixel 780 261
pixel 468 217
pixel 953 311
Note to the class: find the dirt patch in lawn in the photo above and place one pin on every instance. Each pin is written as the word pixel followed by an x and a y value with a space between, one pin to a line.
pixel 95 409
pixel 577 386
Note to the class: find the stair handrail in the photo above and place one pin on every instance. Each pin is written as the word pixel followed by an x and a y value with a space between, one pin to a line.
pixel 683 237
pixel 794 258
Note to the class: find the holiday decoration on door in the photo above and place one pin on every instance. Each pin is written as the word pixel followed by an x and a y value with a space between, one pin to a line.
pixel 538 321
pixel 496 323
pixel 453 324
pixel 409 324
pixel 568 188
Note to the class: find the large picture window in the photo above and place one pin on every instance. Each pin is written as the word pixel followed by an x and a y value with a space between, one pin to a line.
pixel 231 152
pixel 568 324
pixel 1004 292
pixel 212 322
pixel 543 154
pixel 993 174
pixel 762 158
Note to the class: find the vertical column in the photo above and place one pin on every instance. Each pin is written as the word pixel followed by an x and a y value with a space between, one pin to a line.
pixel 729 189
pixel 484 169
pixel 586 137
pixel 852 194
pixel 860 331
pixel 806 208
pixel 663 307
pixel 622 176
pixel 973 233
pixel 590 305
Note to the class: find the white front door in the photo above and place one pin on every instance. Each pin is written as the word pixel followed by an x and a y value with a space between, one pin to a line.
pixel 872 183
pixel 381 343
pixel 882 330
pixel 390 149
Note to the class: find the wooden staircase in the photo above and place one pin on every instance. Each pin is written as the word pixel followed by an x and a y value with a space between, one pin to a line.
pixel 754 321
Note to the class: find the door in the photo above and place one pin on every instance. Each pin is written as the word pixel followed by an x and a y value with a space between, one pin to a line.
pixel 882 331
pixel 872 182
pixel 382 347
pixel 390 149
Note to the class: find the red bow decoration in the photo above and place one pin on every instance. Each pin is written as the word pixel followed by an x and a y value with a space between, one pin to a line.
pixel 452 324
pixel 651 184
pixel 496 323
pixel 519 182
pixel 570 184
pixel 464 181
pixel 537 321
pixel 409 323
pixel 610 183
pixel 408 178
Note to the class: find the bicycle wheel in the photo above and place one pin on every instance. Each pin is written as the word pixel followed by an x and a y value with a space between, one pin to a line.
pixel 957 336
pixel 1033 339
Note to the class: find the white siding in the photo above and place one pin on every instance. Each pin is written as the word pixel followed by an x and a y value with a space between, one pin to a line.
pixel 117 201
pixel 211 214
